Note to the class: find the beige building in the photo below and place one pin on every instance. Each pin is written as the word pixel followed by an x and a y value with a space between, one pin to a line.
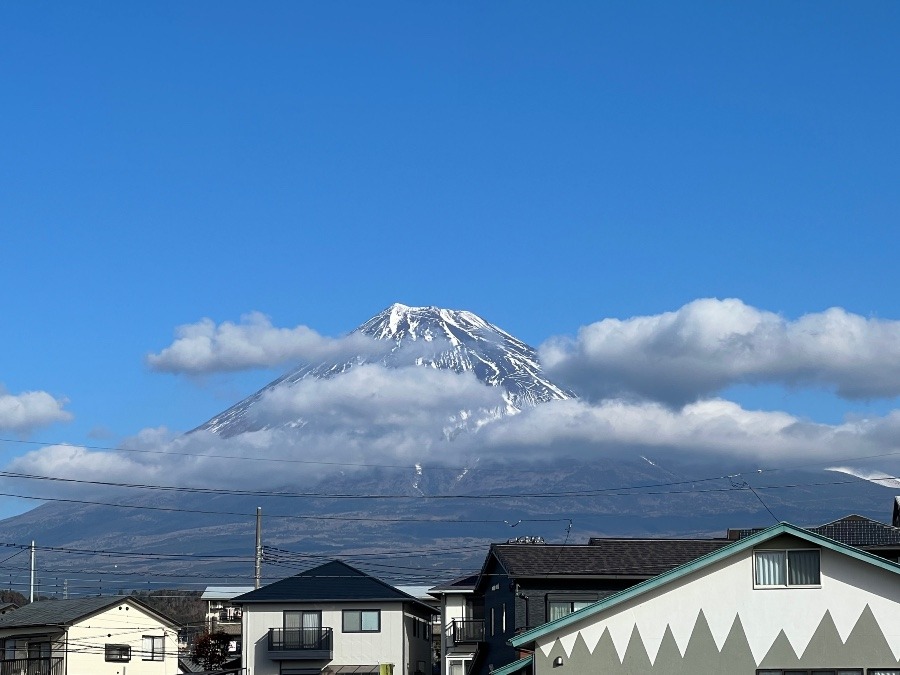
pixel 88 636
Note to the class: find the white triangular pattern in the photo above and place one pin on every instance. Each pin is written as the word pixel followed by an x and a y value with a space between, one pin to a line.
pixel 885 615
pixel 591 635
pixel 568 642
pixel 620 632
pixel 726 591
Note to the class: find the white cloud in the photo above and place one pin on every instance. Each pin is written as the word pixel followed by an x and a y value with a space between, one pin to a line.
pixel 30 410
pixel 372 398
pixel 400 427
pixel 712 429
pixel 204 348
pixel 708 345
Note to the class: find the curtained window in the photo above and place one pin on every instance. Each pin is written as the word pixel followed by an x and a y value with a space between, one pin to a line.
pixel 787 568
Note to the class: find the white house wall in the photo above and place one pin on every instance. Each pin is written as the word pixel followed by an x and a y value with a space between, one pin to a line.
pixel 724 592
pixel 386 646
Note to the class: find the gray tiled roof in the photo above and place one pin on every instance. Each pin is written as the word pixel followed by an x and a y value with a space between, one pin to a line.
pixel 860 531
pixel 602 557
pixel 63 612
pixel 852 530
pixel 332 582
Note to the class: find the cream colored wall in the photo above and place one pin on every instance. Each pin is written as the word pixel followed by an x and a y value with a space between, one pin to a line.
pixel 84 645
pixel 121 624
pixel 386 646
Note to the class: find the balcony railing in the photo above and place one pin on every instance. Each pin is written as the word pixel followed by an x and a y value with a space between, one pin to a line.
pixel 299 643
pixel 45 666
pixel 467 630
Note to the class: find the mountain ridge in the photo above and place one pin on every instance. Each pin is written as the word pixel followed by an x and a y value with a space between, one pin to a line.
pixel 452 340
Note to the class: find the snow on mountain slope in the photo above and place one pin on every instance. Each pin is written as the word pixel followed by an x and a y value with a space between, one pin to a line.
pixel 451 340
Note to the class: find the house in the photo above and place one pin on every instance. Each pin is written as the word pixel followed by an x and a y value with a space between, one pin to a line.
pixel 334 619
pixel 782 600
pixel 423 594
pixel 97 635
pixel 6 607
pixel 461 631
pixel 222 616
pixel 525 583
pixel 219 609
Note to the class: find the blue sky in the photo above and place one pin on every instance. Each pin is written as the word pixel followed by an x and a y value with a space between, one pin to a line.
pixel 545 166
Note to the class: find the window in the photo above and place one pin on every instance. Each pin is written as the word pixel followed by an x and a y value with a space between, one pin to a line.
pixel 302 629
pixel 459 666
pixel 421 629
pixel 787 568
pixel 503 621
pixel 153 647
pixel 492 622
pixel 558 606
pixel 39 650
pixel 362 620
pixel 118 653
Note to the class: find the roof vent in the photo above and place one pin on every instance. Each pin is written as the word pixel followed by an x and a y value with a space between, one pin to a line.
pixel 526 540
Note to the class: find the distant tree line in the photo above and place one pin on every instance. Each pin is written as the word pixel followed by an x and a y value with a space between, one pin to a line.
pixel 185 607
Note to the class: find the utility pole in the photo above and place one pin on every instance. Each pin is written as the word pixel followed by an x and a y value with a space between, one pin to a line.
pixel 31 592
pixel 258 544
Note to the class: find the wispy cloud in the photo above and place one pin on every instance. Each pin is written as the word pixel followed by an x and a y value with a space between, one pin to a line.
pixel 707 345
pixel 30 410
pixel 203 347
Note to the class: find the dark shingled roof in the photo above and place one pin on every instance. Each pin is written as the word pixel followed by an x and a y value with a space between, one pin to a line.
pixel 332 582
pixel 466 583
pixel 852 530
pixel 602 557
pixel 67 612
pixel 860 531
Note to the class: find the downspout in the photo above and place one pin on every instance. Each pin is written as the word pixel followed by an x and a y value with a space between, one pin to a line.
pixel 443 656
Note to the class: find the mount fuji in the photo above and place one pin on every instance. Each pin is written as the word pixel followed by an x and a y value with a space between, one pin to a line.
pixel 437 513
pixel 429 337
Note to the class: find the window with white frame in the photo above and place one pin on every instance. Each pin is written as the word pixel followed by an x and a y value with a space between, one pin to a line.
pixel 788 567
pixel 153 647
pixel 459 666
pixel 362 621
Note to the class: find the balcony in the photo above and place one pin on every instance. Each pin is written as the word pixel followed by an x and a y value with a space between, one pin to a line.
pixel 299 643
pixel 464 631
pixel 45 666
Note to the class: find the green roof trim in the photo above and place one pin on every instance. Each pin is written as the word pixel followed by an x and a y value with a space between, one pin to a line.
pixel 698 564
pixel 513 667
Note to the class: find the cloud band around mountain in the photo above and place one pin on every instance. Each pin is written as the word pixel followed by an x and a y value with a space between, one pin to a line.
pixel 708 345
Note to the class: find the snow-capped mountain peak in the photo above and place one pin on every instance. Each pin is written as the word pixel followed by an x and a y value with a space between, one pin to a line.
pixel 434 337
